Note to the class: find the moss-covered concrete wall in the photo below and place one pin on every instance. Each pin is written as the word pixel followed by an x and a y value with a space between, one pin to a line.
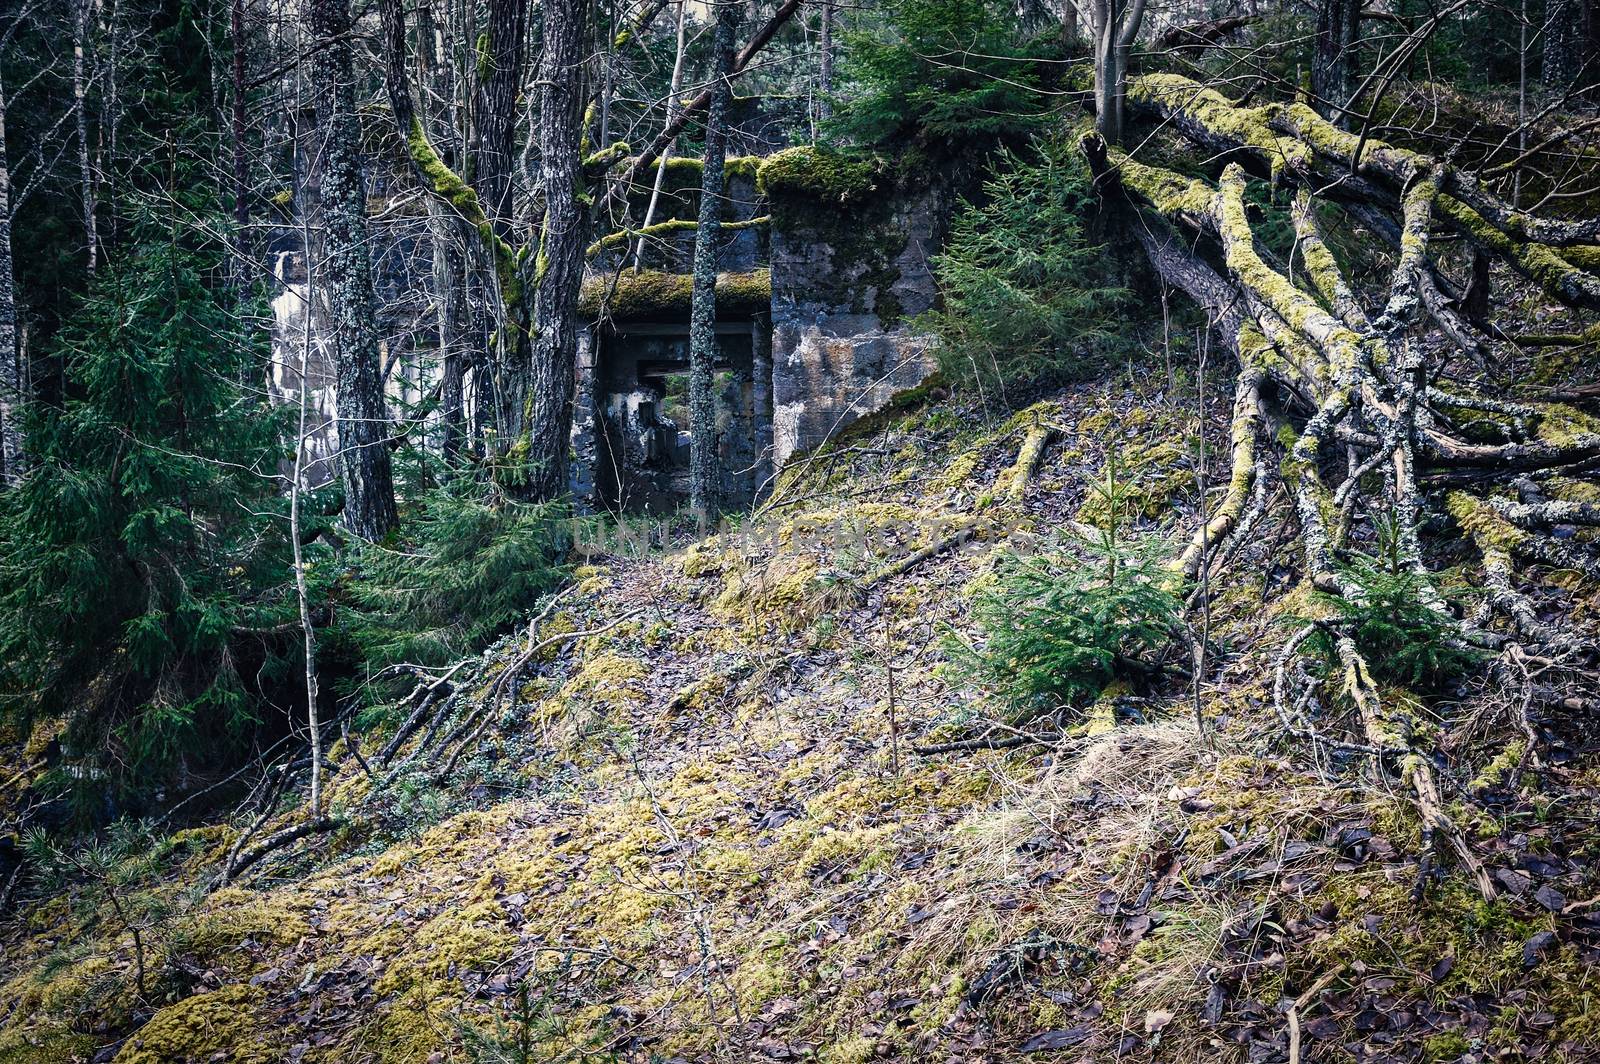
pixel 851 244
pixel 846 244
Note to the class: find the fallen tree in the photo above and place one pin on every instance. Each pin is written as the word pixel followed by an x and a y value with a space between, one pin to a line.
pixel 1349 391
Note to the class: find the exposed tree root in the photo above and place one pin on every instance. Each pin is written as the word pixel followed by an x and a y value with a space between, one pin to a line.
pixel 425 694
pixel 238 862
pixel 963 532
pixel 1336 380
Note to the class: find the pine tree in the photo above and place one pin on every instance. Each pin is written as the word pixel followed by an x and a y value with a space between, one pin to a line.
pixel 143 548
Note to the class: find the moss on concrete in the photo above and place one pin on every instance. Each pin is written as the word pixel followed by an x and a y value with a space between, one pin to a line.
pixel 652 295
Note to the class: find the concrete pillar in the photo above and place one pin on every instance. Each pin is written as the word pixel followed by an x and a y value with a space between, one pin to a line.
pixel 761 395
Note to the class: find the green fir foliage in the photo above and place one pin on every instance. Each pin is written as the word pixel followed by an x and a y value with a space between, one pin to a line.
pixel 946 71
pixel 1057 627
pixel 1404 640
pixel 146 552
pixel 472 564
pixel 1027 294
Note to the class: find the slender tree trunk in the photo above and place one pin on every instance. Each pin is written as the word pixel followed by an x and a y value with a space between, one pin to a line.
pixel 1115 24
pixel 449 264
pixel 672 108
pixel 1566 43
pixel 556 271
pixel 1103 15
pixel 1522 101
pixel 1069 20
pixel 502 65
pixel 825 63
pixel 241 166
pixel 450 300
pixel 703 465
pixel 302 596
pixel 369 510
pixel 80 107
pixel 11 377
pixel 1333 55
pixel 110 117
pixel 501 68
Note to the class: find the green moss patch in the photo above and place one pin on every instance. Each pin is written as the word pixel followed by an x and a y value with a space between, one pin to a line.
pixel 652 295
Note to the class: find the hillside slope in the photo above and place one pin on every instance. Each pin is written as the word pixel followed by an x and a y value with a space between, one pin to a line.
pixel 751 816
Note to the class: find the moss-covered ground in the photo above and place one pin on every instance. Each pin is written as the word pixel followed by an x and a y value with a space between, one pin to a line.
pixel 707 833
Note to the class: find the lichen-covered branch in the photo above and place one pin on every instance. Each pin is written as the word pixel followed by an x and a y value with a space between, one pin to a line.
pixel 1248 422
pixel 624 237
pixel 1291 142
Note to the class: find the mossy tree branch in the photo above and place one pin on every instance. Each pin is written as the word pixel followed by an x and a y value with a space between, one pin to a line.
pixel 1345 381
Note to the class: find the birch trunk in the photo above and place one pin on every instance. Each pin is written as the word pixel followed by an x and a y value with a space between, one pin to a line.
pixel 80 110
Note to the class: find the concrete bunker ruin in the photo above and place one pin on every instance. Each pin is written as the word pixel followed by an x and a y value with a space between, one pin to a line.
pixel 631 435
pixel 825 264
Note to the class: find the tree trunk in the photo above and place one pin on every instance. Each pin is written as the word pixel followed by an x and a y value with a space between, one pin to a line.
pixel 1069 21
pixel 449 295
pixel 703 465
pixel 501 67
pixel 80 109
pixel 241 166
pixel 825 63
pixel 449 261
pixel 1333 55
pixel 1566 43
pixel 557 269
pixel 11 377
pixel 369 508
pixel 1115 24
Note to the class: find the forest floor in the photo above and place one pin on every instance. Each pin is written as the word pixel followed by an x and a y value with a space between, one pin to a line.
pixel 713 831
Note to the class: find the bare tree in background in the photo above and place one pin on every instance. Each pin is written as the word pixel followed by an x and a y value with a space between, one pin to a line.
pixel 1333 55
pixel 241 165
pixel 80 103
pixel 672 106
pixel 825 63
pixel 1115 25
pixel 1566 42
